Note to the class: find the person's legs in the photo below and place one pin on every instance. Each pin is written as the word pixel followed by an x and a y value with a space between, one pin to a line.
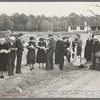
pixel 48 61
pixel 61 65
pixel 39 65
pixel 32 66
pixel 51 61
pixel 13 64
pixel 19 60
pixel 2 74
pixel 42 65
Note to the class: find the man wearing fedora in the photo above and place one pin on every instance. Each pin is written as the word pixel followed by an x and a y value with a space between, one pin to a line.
pixel 50 51
pixel 20 49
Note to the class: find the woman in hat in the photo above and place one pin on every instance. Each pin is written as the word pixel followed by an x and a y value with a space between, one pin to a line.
pixel 31 53
pixel 41 53
pixel 4 50
pixel 77 54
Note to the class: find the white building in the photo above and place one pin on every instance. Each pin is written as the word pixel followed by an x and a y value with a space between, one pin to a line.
pixel 83 28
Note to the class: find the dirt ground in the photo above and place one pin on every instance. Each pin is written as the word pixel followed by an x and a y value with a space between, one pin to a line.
pixel 40 83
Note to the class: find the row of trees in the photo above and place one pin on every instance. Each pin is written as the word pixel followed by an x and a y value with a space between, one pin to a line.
pixel 21 22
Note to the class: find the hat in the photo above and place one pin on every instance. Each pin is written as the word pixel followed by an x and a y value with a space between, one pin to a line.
pixel 76 40
pixel 41 39
pixel 51 34
pixel 12 38
pixel 64 38
pixel 20 34
pixel 31 38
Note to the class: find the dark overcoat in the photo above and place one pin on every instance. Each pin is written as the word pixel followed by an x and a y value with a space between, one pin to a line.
pixel 3 58
pixel 88 49
pixel 41 54
pixel 56 52
pixel 31 52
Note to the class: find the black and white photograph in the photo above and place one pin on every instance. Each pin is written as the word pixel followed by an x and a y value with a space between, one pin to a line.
pixel 49 49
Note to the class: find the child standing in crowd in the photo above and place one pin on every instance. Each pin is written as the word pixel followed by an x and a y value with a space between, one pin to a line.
pixel 41 53
pixel 31 53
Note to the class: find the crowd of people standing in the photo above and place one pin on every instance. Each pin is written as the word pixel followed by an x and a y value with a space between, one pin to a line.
pixel 46 48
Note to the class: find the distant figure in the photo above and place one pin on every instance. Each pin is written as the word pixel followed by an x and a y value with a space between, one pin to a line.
pixel 88 48
pixel 49 53
pixel 41 53
pixel 3 56
pixel 19 46
pixel 11 55
pixel 31 53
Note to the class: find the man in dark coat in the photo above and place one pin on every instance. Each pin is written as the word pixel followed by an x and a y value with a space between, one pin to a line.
pixel 11 56
pixel 50 51
pixel 96 48
pixel 61 52
pixel 20 49
pixel 88 49
pixel 56 51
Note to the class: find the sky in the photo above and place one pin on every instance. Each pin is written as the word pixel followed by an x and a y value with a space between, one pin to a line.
pixel 49 8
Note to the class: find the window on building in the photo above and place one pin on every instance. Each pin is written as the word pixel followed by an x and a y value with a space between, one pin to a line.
pixel 98 27
pixel 93 28
pixel 73 28
pixel 82 28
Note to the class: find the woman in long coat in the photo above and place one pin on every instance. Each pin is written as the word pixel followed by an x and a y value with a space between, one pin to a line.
pixel 31 53
pixel 41 53
pixel 3 56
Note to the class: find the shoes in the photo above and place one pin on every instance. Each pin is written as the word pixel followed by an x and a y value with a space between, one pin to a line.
pixel 9 75
pixel 19 72
pixel 12 73
pixel 2 76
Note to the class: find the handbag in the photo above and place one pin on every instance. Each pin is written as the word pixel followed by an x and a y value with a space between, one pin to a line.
pixel 97 54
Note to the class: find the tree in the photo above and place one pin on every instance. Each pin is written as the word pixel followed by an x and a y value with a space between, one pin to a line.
pixel 5 22
pixel 47 26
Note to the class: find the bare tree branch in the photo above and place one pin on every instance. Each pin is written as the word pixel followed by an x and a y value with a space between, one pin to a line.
pixel 92 12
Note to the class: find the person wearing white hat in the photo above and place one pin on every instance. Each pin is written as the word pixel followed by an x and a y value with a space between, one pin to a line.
pixel 11 55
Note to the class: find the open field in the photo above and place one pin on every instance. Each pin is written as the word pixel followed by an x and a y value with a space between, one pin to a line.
pixel 40 83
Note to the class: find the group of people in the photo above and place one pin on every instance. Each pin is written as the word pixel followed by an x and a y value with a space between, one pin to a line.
pixel 8 52
pixel 43 52
pixel 92 51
